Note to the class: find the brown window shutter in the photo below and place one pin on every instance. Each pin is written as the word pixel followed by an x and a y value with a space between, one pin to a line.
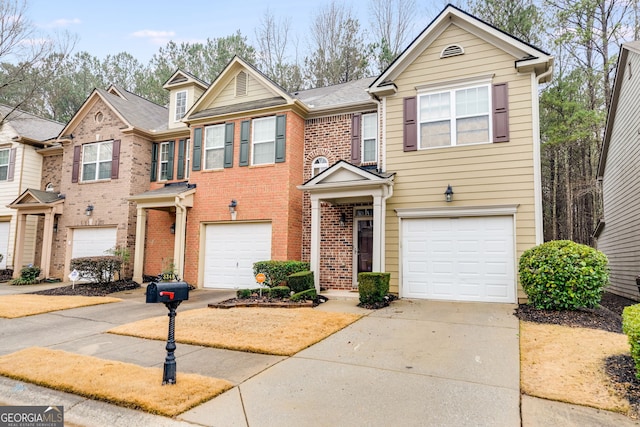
pixel 355 138
pixel 75 170
pixel 500 98
pixel 115 159
pixel 410 128
pixel 12 164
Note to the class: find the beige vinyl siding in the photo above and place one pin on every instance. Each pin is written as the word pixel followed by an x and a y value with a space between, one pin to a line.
pixel 255 92
pixel 620 238
pixel 481 175
pixel 193 93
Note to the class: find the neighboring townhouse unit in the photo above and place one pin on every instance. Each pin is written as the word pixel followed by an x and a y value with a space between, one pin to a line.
pixel 618 233
pixel 351 178
pixel 21 135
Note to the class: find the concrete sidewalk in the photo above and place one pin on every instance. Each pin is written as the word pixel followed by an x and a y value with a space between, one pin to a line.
pixel 415 363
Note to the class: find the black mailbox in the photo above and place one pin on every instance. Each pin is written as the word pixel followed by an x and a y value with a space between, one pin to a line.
pixel 167 292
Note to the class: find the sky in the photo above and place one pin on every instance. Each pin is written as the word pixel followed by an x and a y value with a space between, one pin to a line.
pixel 140 27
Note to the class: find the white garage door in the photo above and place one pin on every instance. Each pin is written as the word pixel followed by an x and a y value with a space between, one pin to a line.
pixel 231 250
pixel 459 259
pixel 4 243
pixel 92 241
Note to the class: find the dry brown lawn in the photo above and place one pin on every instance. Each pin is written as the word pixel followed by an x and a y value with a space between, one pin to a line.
pixel 120 383
pixel 279 331
pixel 567 364
pixel 12 306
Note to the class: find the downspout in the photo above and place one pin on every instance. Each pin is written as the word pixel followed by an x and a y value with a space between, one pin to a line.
pixel 383 225
pixel 537 167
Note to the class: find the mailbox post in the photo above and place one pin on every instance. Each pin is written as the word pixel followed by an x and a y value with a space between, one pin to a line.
pixel 171 294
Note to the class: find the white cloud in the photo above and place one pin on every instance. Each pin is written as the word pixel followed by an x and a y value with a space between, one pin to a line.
pixel 60 23
pixel 153 34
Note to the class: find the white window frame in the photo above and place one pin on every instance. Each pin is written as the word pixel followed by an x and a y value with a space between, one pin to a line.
pixel 255 141
pixel 181 107
pixel 97 162
pixel 453 115
pixel 163 160
pixel 4 167
pixel 364 138
pixel 219 146
pixel 316 165
pixel 187 158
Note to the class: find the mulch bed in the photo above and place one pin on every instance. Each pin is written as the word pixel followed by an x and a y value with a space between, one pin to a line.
pixel 92 289
pixel 608 317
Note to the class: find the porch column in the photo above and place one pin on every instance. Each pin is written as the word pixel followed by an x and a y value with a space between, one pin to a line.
pixel 138 257
pixel 19 247
pixel 315 240
pixel 179 240
pixel 377 234
pixel 47 241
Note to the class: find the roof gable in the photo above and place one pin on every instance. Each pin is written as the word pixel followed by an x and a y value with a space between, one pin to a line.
pixel 182 78
pixel 343 172
pixel 527 58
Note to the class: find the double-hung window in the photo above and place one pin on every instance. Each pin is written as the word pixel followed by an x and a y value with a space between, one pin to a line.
pixel 264 140
pixel 187 158
pixel 214 147
pixel 4 164
pixel 181 104
pixel 458 116
pixel 369 137
pixel 164 161
pixel 96 161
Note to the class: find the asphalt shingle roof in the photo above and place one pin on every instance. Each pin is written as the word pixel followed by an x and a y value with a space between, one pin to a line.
pixel 31 126
pixel 138 111
pixel 336 95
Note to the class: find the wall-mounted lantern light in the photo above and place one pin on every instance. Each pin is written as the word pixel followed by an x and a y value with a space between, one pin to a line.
pixel 89 210
pixel 343 219
pixel 172 229
pixel 232 209
pixel 448 195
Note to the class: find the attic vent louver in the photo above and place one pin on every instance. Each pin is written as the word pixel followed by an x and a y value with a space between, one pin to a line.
pixel 452 50
pixel 241 84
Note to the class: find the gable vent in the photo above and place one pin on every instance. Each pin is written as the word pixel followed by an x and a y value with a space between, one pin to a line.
pixel 452 50
pixel 241 84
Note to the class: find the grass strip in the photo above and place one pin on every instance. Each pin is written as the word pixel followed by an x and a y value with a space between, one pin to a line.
pixel 21 305
pixel 278 331
pixel 123 384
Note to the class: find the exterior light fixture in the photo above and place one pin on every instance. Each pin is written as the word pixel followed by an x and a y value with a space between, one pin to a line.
pixel 232 209
pixel 89 210
pixel 172 229
pixel 343 219
pixel 448 195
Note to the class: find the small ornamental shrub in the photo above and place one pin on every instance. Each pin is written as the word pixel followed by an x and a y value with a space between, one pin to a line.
pixel 631 327
pixel 279 292
pixel 373 287
pixel 28 276
pixel 100 269
pixel 307 295
pixel 278 271
pixel 301 281
pixel 243 293
pixel 563 275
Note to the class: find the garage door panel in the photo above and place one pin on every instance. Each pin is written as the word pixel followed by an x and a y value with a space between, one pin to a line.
pixel 465 259
pixel 93 241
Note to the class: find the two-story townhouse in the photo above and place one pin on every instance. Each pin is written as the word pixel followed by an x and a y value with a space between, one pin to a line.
pixel 21 135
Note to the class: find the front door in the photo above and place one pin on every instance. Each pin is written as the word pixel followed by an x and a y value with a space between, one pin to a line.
pixel 363 242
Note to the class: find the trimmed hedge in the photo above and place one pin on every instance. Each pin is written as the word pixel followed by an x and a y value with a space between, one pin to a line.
pixel 277 272
pixel 373 287
pixel 563 275
pixel 28 276
pixel 301 281
pixel 631 327
pixel 100 269
pixel 309 294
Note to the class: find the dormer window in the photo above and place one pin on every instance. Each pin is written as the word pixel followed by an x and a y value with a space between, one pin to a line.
pixel 181 105
pixel 241 84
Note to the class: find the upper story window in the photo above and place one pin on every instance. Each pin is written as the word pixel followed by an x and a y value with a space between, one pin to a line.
pixel 214 146
pixel 187 158
pixel 96 161
pixel 4 164
pixel 369 137
pixel 163 164
pixel 319 164
pixel 264 140
pixel 181 104
pixel 454 117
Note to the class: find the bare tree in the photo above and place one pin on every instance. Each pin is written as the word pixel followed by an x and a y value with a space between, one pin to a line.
pixel 391 24
pixel 28 58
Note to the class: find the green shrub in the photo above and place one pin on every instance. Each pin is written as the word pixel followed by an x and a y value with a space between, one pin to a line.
pixel 301 281
pixel 277 272
pixel 373 287
pixel 308 294
pixel 280 292
pixel 99 269
pixel 28 276
pixel 243 293
pixel 631 327
pixel 563 275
